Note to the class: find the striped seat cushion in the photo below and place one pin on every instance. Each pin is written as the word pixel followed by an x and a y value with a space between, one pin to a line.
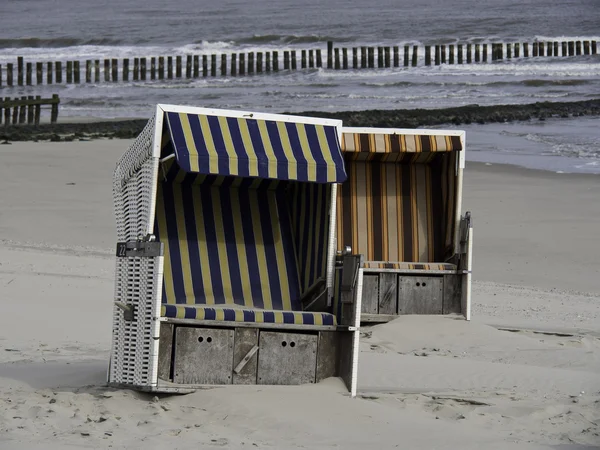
pixel 199 312
pixel 408 266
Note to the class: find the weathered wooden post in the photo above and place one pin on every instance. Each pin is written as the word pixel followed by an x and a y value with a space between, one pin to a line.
pixel 371 57
pixel 188 66
pixel 336 52
pixel 161 67
pixel 363 57
pixel 294 60
pixel 469 50
pixel 204 66
pixel 38 110
pixel 30 116
pixel 459 48
pixel 242 69
pixel 330 54
pixel 15 114
pixel 233 64
pixel 443 54
pixel 500 51
pixel 250 63
pixel 508 51
pixel 451 54
pixel 23 110
pixel 20 71
pixel 548 48
pixel 268 61
pixel 97 71
pixel 437 55
pixel 484 52
pixel 286 59
pixel 178 70
pixel 477 53
pixel 380 63
pixel 318 56
pixel 428 55
pixel 125 69
pixel 136 69
pixel 224 65
pixel 6 114
pixel 355 57
pixel 170 67
pixel 88 70
pixel 578 48
pixel 29 72
pixel 586 47
pixel 406 55
pixel 76 72
pixel 49 72
pixel 39 73
pixel 303 59
pixel 54 113
pixel 571 48
pixel 415 55
pixel 386 51
pixel 213 65
pixel 143 69
pixel 69 72
pixel 196 66
pixel 58 71
pixel 115 70
pixel 555 48
pixel 259 61
pixel 106 70
pixel 594 47
pixel 276 60
pixel 311 59
pixel 153 67
pixel 396 51
pixel 517 49
pixel 526 49
pixel 540 46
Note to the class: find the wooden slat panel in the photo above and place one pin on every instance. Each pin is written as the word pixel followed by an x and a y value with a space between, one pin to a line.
pixel 370 294
pixel 388 286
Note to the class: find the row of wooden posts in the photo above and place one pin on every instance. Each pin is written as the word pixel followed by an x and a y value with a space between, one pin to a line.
pixel 27 109
pixel 234 64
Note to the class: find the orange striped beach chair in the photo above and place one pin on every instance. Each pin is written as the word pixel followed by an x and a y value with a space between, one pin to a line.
pixel 401 209
pixel 226 262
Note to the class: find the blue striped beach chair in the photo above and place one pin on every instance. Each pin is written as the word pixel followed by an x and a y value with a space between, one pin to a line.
pixel 400 207
pixel 226 264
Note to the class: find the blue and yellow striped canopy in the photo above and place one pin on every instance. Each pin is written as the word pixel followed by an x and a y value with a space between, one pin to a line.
pixel 247 147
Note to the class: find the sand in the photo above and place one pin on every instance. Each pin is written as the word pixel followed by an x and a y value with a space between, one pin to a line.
pixel 524 373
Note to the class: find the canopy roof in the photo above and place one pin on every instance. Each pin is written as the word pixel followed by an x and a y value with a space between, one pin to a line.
pixel 253 145
pixel 374 142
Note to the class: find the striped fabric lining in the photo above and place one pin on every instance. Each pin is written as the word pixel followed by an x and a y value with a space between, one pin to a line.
pixel 408 266
pixel 310 219
pixel 398 212
pixel 199 312
pixel 394 144
pixel 232 241
pixel 248 147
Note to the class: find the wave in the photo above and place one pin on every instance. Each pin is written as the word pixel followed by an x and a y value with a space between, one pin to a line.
pixel 292 39
pixel 32 42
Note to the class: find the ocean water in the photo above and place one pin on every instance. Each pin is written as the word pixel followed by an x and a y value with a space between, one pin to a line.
pixel 50 30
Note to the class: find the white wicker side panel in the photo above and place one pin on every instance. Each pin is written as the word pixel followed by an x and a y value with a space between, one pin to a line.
pixel 138 280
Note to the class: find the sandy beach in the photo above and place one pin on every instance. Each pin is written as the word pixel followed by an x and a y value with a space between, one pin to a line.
pixel 523 374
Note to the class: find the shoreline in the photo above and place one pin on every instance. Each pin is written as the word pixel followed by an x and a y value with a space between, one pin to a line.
pixel 94 128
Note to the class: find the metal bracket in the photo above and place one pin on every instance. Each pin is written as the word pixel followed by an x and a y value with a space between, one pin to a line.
pixel 244 361
pixel 128 310
pixel 143 247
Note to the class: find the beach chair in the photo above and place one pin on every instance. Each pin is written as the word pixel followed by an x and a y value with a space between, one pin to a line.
pixel 226 270
pixel 401 209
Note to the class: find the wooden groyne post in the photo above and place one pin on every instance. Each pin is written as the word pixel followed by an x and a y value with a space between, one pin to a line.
pixel 27 109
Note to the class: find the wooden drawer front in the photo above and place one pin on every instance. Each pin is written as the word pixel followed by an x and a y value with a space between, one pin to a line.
pixel 420 295
pixel 203 356
pixel 287 358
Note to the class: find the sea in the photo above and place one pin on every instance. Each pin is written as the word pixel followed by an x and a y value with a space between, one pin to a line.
pixel 52 30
